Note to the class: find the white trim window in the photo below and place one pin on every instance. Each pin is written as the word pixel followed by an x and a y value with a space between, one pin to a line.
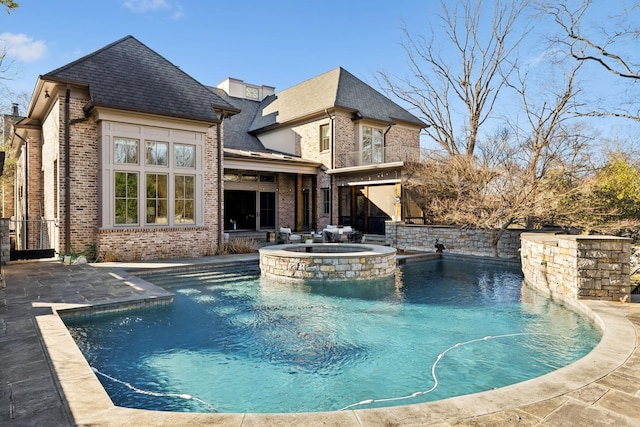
pixel 325 137
pixel 372 145
pixel 185 156
pixel 157 153
pixel 153 181
pixel 157 198
pixel 184 199
pixel 126 198
pixel 126 151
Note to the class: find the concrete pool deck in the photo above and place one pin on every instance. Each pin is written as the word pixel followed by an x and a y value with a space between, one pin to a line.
pixel 44 380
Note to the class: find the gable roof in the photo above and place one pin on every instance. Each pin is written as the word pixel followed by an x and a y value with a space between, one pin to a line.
pixel 127 75
pixel 334 89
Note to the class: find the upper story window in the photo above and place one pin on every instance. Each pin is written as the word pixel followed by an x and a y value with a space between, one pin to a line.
pixel 126 151
pixel 372 145
pixel 157 153
pixel 185 156
pixel 325 138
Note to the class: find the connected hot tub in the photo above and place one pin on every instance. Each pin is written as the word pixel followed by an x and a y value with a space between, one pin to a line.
pixel 327 261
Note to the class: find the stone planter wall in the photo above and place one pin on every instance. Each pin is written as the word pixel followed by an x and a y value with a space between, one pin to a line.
pixel 577 267
pixel 422 238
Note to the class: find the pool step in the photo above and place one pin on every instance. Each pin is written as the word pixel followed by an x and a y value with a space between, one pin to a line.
pixel 219 275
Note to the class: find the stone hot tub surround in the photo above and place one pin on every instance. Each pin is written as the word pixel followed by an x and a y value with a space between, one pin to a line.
pixel 327 261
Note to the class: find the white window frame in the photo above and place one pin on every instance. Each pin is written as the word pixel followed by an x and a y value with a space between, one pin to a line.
pixel 376 135
pixel 192 137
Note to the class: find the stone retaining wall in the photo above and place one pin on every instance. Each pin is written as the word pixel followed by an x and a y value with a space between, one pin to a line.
pixel 422 238
pixel 577 267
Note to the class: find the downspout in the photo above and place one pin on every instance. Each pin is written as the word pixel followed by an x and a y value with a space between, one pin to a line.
pixel 26 191
pixel 384 141
pixel 67 171
pixel 333 162
pixel 384 159
pixel 220 181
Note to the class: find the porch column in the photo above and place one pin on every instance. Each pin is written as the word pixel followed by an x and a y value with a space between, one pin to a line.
pixel 314 202
pixel 398 204
pixel 354 206
pixel 299 207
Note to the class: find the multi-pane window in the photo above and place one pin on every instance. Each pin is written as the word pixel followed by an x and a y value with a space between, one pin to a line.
pixel 184 200
pixel 185 156
pixel 157 199
pixel 372 145
pixel 326 201
pixel 125 151
pixel 325 138
pixel 154 182
pixel 157 153
pixel 126 198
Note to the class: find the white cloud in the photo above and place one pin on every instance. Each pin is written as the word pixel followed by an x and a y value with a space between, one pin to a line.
pixel 21 47
pixel 141 6
pixel 178 13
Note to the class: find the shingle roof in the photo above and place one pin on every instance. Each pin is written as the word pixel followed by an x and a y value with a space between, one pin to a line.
pixel 334 89
pixel 128 75
pixel 235 128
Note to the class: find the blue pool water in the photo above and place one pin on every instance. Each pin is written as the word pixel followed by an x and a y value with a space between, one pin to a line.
pixel 239 343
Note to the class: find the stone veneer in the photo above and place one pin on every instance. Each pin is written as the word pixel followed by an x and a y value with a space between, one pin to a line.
pixel 5 243
pixel 572 267
pixel 422 238
pixel 329 262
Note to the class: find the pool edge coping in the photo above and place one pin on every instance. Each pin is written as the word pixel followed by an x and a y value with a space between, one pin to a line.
pixel 89 403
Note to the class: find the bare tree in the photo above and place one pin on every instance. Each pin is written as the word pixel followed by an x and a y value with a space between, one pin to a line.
pixel 461 68
pixel 525 174
pixel 610 47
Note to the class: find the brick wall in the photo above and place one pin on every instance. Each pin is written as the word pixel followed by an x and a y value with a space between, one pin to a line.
pixel 286 201
pixel 122 244
pixel 577 267
pixel 156 243
pixel 83 185
pixel 402 144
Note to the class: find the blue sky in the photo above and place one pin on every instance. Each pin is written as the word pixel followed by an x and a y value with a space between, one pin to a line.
pixel 278 43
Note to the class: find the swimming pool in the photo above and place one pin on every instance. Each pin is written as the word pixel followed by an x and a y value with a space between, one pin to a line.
pixel 238 343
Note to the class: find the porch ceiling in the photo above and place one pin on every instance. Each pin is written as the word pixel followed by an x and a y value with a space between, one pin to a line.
pixel 271 162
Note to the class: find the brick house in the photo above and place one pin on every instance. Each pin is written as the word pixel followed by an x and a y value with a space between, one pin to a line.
pixel 347 145
pixel 122 150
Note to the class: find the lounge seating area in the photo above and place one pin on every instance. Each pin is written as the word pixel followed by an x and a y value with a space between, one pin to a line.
pixel 286 236
pixel 337 234
pixel 331 234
